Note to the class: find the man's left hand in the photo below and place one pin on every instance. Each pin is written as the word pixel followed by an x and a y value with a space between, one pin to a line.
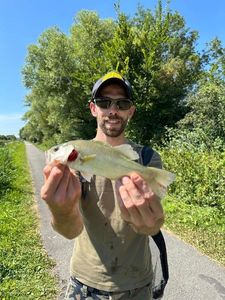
pixel 139 206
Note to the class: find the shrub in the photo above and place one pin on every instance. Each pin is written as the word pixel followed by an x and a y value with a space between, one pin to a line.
pixel 200 172
pixel 7 170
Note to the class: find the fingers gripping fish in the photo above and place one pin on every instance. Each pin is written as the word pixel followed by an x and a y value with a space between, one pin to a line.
pixel 92 157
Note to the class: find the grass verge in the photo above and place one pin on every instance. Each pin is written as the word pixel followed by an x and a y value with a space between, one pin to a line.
pixel 25 269
pixel 202 227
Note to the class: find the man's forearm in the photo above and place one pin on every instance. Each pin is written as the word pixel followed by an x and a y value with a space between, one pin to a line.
pixel 70 226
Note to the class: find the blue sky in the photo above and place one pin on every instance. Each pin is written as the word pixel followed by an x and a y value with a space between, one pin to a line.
pixel 22 22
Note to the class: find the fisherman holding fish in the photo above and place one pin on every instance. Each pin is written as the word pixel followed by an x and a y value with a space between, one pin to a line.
pixel 99 193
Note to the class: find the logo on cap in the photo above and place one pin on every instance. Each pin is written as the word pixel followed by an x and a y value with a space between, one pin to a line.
pixel 111 75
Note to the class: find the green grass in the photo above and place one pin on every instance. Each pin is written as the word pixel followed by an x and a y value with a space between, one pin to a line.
pixel 202 227
pixel 25 269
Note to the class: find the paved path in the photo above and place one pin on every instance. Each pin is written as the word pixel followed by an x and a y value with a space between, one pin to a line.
pixel 193 276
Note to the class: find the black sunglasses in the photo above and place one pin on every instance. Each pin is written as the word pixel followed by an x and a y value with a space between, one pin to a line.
pixel 121 104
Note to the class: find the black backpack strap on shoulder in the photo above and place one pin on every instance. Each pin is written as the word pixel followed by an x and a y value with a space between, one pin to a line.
pixel 146 154
pixel 158 289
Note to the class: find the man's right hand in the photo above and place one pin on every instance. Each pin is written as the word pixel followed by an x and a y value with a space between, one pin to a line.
pixel 61 189
pixel 62 192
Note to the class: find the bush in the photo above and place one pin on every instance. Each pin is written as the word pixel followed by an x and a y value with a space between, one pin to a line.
pixel 200 172
pixel 7 170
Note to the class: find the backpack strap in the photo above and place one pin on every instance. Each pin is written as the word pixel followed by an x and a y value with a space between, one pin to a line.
pixel 160 242
pixel 146 155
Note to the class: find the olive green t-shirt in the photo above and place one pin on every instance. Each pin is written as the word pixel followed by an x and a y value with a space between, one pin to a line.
pixel 108 254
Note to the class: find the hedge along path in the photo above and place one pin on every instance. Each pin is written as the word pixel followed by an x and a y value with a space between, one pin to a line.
pixel 195 206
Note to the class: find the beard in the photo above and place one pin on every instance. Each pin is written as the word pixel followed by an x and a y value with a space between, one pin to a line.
pixel 115 129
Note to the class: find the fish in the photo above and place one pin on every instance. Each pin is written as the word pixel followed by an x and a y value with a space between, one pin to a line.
pixel 92 157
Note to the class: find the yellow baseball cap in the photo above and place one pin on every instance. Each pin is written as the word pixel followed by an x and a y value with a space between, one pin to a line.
pixel 111 77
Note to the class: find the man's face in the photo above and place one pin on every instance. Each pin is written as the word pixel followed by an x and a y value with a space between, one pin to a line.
pixel 112 121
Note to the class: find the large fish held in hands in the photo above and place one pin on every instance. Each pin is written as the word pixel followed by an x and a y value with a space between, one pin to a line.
pixel 92 157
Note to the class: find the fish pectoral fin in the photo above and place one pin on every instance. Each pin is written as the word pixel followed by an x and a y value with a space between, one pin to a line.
pixel 87 157
pixel 127 151
pixel 86 176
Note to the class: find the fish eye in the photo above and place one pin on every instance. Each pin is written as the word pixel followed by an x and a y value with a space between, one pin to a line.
pixel 55 148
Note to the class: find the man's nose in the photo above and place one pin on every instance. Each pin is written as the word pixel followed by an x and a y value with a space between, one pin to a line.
pixel 113 107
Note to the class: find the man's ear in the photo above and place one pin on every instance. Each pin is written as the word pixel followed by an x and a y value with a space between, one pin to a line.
pixel 93 109
pixel 131 111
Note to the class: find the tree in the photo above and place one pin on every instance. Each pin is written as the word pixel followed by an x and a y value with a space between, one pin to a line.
pixel 207 102
pixel 155 51
pixel 59 71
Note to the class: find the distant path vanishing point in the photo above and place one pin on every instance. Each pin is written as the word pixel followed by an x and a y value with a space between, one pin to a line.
pixel 193 276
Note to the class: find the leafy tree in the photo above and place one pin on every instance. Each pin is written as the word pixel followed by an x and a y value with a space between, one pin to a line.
pixel 9 137
pixel 45 74
pixel 155 51
pixel 58 72
pixel 207 102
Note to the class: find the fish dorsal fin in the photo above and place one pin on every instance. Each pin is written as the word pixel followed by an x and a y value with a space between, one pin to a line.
pixel 127 151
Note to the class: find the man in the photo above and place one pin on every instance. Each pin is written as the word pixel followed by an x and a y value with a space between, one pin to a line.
pixel 110 221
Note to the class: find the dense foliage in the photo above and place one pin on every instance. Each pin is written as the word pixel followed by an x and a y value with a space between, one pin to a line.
pixel 206 103
pixel 154 50
pixel 195 206
pixel 200 171
pixel 9 137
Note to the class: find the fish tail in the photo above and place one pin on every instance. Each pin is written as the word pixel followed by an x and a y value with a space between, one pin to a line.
pixel 159 180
